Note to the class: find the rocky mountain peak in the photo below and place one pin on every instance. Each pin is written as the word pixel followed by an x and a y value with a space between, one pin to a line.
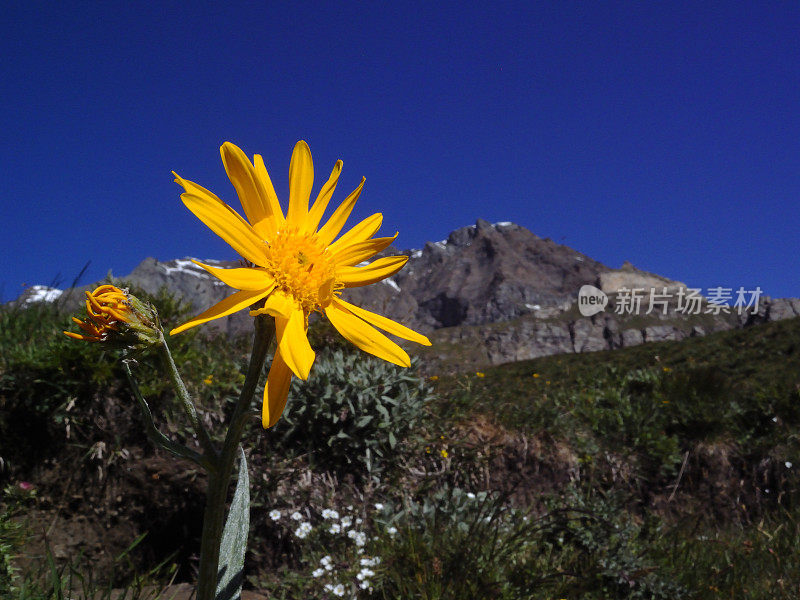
pixel 490 272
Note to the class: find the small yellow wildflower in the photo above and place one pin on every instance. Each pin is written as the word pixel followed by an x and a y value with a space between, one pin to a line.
pixel 114 315
pixel 106 307
pixel 434 378
pixel 209 380
pixel 536 376
pixel 479 374
pixel 547 382
pixel 296 267
pixel 443 453
pixel 666 369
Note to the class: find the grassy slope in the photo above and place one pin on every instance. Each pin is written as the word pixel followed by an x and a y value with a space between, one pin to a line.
pixel 622 423
pixel 744 363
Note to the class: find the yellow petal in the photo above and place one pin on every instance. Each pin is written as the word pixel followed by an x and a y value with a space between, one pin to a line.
pixel 301 180
pixel 365 336
pixel 196 189
pixel 276 391
pixel 293 343
pixel 321 203
pixel 223 308
pixel 227 224
pixel 78 336
pixel 383 323
pixel 358 233
pixel 268 192
pixel 277 304
pixel 361 251
pixel 371 273
pixel 240 172
pixel 242 278
pixel 339 217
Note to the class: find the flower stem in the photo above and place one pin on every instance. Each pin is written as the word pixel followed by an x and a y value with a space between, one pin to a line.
pixel 186 401
pixel 220 476
pixel 158 438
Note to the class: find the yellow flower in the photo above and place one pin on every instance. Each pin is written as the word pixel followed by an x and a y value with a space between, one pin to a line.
pixel 106 307
pixel 479 374
pixel 536 376
pixel 209 380
pixel 443 453
pixel 114 315
pixel 297 267
pixel 434 378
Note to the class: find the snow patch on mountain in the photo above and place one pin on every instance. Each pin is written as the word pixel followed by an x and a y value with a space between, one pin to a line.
pixel 42 293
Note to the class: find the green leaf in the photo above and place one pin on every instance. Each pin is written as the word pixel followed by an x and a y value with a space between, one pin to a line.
pixel 234 538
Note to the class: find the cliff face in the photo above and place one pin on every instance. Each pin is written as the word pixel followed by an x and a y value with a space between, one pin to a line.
pixel 490 294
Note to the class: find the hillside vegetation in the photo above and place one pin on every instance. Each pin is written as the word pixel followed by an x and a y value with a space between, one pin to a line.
pixel 659 471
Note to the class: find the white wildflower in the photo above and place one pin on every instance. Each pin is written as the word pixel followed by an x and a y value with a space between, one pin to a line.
pixel 274 515
pixel 304 529
pixel 338 590
pixel 365 574
pixel 788 464
pixel 330 514
pixel 347 521
pixel 334 528
pixel 318 572
pixel 378 506
pixel 391 530
pixel 470 495
pixel 296 516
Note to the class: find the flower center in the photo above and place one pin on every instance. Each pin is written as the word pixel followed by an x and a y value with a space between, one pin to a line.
pixel 301 269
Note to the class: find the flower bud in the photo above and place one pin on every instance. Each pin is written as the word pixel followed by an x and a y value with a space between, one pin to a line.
pixel 116 316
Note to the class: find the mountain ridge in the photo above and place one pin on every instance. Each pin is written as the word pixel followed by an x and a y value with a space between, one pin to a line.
pixel 488 294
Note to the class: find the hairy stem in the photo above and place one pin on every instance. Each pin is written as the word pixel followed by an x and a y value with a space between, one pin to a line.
pixel 219 478
pixel 186 401
pixel 158 438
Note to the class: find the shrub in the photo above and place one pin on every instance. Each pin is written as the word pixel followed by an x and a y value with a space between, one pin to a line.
pixel 352 413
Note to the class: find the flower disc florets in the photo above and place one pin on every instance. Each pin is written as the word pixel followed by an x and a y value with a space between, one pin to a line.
pixel 299 264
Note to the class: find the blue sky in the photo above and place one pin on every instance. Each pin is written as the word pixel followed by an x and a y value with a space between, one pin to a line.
pixel 667 134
